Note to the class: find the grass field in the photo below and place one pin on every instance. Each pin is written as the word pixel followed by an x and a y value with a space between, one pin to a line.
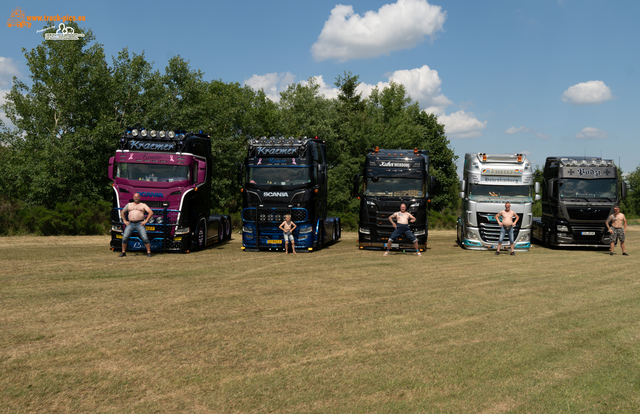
pixel 335 331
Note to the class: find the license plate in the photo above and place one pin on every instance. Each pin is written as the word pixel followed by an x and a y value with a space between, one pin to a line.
pixel 150 228
pixel 395 246
pixel 274 241
pixel 588 233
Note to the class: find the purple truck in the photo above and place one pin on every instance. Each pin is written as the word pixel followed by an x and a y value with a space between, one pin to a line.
pixel 172 172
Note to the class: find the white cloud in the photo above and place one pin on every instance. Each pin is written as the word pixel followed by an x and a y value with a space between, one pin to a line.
pixel 462 125
pixel 8 70
pixel 422 84
pixel 514 130
pixel 592 133
pixel 271 83
pixel 329 92
pixel 402 25
pixel 588 93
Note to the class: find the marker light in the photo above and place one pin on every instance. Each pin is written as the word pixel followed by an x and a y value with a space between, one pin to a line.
pixel 519 157
pixel 377 149
pixel 415 150
pixel 484 157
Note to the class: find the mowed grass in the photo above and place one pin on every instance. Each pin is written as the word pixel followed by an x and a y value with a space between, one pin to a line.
pixel 335 331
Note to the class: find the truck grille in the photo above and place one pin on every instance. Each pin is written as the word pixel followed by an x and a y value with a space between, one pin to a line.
pixel 588 213
pixel 490 229
pixel 274 215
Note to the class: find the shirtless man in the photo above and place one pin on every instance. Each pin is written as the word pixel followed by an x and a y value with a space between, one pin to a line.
pixel 136 222
pixel 509 220
pixel 403 218
pixel 617 229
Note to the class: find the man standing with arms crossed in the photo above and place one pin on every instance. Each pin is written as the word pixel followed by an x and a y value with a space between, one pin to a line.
pixel 136 222
pixel 617 220
pixel 403 218
pixel 509 220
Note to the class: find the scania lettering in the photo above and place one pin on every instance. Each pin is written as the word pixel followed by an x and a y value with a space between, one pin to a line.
pixel 390 178
pixel 284 176
pixel 172 171
pixel 489 182
pixel 578 195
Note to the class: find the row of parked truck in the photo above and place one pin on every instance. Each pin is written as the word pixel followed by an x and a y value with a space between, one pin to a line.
pixel 173 172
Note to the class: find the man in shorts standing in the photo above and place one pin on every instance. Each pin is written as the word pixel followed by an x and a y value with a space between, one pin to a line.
pixel 136 222
pixel 402 228
pixel 617 229
pixel 509 220
pixel 287 228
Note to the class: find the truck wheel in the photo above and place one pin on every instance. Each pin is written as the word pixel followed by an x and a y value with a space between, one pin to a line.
pixel 221 230
pixel 201 234
pixel 227 227
pixel 458 232
pixel 339 230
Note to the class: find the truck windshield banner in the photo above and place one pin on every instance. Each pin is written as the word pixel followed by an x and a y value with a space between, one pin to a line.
pixel 587 172
pixel 501 171
pixel 491 179
pixel 152 146
pixel 286 151
pixel 395 164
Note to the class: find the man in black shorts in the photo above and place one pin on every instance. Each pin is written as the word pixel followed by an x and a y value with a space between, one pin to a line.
pixel 402 228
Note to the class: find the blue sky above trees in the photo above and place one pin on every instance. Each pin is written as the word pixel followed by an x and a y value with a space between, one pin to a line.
pixel 554 77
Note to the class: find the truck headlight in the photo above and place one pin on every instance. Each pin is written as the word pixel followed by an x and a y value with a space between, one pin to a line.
pixel 419 233
pixel 364 231
pixel 116 227
pixel 182 230
pixel 305 229
pixel 247 229
pixel 562 227
pixel 471 235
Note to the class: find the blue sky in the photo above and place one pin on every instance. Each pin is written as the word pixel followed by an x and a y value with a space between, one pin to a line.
pixel 543 77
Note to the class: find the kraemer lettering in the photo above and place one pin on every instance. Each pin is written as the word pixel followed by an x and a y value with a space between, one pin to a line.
pixel 139 145
pixel 275 151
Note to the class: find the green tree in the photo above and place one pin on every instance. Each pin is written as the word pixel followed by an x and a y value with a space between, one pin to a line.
pixel 55 152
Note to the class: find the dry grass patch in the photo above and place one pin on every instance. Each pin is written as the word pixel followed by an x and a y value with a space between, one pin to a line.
pixel 339 330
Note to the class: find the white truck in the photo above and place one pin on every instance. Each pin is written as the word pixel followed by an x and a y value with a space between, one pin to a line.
pixel 489 181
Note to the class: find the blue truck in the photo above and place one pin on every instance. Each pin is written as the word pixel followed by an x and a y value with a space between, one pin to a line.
pixel 283 176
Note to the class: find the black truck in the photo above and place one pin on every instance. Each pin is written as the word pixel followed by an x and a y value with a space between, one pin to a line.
pixel 172 172
pixel 390 178
pixel 578 195
pixel 283 176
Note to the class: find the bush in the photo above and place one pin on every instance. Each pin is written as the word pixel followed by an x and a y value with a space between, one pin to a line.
pixel 68 218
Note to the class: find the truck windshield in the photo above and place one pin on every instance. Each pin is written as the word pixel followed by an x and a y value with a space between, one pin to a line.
pixel 153 172
pixel 518 192
pixel 290 175
pixel 578 188
pixel 394 187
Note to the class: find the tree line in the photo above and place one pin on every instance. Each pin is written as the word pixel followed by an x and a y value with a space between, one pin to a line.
pixel 67 121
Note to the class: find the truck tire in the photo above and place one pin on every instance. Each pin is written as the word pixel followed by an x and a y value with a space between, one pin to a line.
pixel 221 230
pixel 227 227
pixel 339 230
pixel 201 234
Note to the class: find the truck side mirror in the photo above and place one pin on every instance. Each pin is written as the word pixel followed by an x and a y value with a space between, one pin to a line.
pixel 432 185
pixel 463 185
pixel 623 190
pixel 461 194
pixel 550 188
pixel 536 187
pixel 538 197
pixel 356 185
pixel 322 173
pixel 112 161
